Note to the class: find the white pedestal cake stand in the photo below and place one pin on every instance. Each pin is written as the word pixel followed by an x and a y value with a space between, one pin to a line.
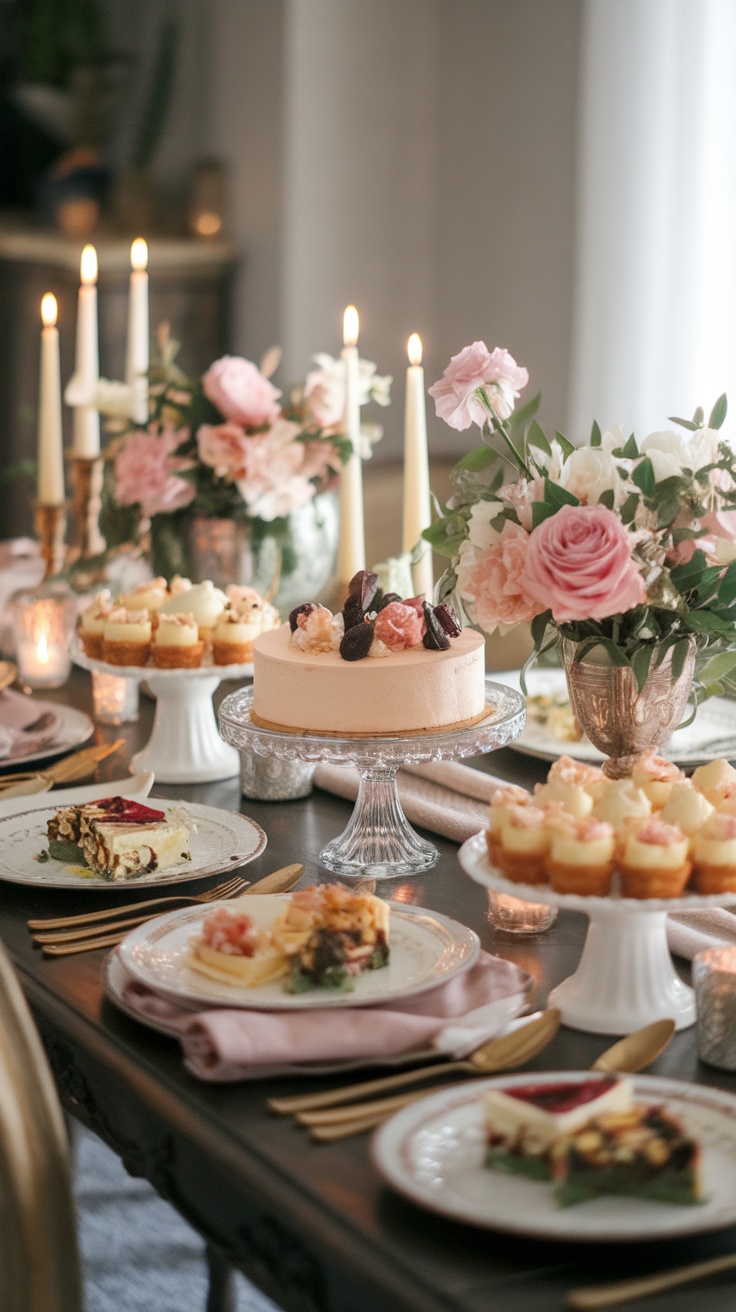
pixel 378 843
pixel 626 977
pixel 185 746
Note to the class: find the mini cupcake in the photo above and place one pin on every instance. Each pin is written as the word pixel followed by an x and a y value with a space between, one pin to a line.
pixel 246 616
pixel 714 855
pixel 179 585
pixel 92 624
pixel 176 643
pixel 523 844
pixel 126 637
pixel 622 804
pixel 573 796
pixel 149 596
pixel 578 774
pixel 502 799
pixel 655 777
pixel 686 808
pixel 716 780
pixel 204 601
pixel 581 856
pixel 654 860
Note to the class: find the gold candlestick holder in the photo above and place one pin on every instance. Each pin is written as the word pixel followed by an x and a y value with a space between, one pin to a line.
pixel 51 530
pixel 87 475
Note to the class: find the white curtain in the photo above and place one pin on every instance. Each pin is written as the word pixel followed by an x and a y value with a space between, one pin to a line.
pixel 655 303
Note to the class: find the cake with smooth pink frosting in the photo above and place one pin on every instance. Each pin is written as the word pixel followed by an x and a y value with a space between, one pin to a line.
pixel 382 665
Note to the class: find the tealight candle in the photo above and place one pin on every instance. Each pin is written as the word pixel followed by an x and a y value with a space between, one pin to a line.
pixel 43 624
pixel 714 978
pixel 114 698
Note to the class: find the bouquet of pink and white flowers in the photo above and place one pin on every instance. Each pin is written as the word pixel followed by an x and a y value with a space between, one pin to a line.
pixel 621 545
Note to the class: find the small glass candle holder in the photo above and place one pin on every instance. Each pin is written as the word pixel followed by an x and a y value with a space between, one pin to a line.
pixel 714 979
pixel 267 779
pixel 115 699
pixel 43 621
pixel 512 916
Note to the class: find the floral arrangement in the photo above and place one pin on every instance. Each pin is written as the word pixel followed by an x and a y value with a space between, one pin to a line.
pixel 623 546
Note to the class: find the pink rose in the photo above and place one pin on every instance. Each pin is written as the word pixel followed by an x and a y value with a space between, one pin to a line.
pixel 240 392
pixel 224 447
pixel 495 583
pixel 579 565
pixel 146 472
pixel 474 368
pixel 399 626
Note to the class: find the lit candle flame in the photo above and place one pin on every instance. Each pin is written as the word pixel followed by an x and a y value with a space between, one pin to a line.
pixel 414 349
pixel 350 326
pixel 88 265
pixel 42 648
pixel 139 255
pixel 49 310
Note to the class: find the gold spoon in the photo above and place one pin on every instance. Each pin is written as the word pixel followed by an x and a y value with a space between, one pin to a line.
pixel 637 1050
pixel 496 1055
pixel 629 1055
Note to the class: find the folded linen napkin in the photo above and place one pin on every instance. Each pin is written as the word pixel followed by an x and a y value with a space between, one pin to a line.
pixel 227 1044
pixel 26 725
pixel 444 796
pixel 690 932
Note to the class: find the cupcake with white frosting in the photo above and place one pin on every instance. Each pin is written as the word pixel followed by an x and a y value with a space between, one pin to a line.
pixel 581 856
pixel 503 798
pixel 126 637
pixel 716 780
pixel 176 643
pixel 92 624
pixel 655 777
pixel 523 844
pixel 714 855
pixel 654 860
pixel 149 596
pixel 687 808
pixel 621 804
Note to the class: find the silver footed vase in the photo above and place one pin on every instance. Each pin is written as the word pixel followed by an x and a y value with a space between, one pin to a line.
pixel 618 719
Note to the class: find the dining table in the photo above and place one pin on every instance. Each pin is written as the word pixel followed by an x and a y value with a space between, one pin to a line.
pixel 313 1224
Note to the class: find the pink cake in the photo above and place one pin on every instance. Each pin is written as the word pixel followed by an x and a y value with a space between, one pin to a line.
pixel 308 677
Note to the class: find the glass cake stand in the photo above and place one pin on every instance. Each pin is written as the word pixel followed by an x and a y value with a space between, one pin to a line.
pixel 185 746
pixel 378 842
pixel 626 977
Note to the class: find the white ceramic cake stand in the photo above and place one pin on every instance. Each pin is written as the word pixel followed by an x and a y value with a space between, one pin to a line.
pixel 626 977
pixel 185 746
pixel 379 842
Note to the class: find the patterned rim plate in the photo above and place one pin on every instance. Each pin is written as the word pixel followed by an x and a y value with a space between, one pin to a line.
pixel 75 729
pixel 711 735
pixel 433 1152
pixel 427 949
pixel 222 841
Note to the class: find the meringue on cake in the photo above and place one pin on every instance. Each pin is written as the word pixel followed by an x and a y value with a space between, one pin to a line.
pixel 654 861
pixel 714 855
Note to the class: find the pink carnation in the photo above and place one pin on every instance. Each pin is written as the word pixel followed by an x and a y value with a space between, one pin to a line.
pixel 399 626
pixel 495 583
pixel 496 372
pixel 579 565
pixel 522 494
pixel 146 472
pixel 240 392
pixel 224 447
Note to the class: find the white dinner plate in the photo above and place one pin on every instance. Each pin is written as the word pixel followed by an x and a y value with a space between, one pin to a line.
pixel 711 735
pixel 433 1152
pixel 427 949
pixel 74 729
pixel 220 841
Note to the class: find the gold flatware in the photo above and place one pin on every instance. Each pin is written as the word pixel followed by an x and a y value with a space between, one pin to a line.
pixel 625 1291
pixel 8 674
pixel 498 1054
pixel 637 1050
pixel 70 768
pixel 107 936
pixel 26 788
pixel 231 889
pixel 624 1057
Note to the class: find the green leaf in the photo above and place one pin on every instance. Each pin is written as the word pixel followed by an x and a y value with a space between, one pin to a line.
pixel 479 458
pixel 536 437
pixel 719 667
pixel 727 589
pixel 595 434
pixel 684 423
pixel 629 508
pixel 629 451
pixel 524 412
pixel 539 627
pixel 557 496
pixel 607 498
pixel 567 447
pixel 640 663
pixel 699 417
pixel 643 476
pixel 679 656
pixel 704 621
pixel 496 481
pixel 718 413
pixel 668 512
pixel 541 511
pixel 685 577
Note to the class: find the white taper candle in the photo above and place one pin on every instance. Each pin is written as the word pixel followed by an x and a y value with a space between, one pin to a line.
pixel 417 514
pixel 351 550
pixel 50 449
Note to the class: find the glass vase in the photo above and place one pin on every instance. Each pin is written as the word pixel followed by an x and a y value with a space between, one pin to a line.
pixel 618 719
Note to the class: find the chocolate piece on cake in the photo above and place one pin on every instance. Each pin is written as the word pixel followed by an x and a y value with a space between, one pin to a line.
pixel 644 1151
pixel 118 838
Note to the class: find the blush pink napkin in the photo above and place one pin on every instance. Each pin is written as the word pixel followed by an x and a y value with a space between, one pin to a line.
pixel 226 1045
pixel 26 725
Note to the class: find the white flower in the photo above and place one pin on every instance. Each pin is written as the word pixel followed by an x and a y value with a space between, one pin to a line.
pixel 465 563
pixel 672 452
pixel 480 532
pixel 551 464
pixel 591 471
pixel 324 389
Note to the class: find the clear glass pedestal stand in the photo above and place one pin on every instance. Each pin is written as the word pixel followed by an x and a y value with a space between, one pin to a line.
pixel 379 842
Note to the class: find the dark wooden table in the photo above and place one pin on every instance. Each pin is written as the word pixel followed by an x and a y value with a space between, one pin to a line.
pixel 314 1226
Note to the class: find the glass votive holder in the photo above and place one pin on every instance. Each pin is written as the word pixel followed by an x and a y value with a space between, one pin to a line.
pixel 43 621
pixel 714 980
pixel 511 915
pixel 115 699
pixel 267 779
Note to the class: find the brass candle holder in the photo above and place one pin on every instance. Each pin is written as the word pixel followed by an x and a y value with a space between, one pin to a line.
pixel 87 475
pixel 51 531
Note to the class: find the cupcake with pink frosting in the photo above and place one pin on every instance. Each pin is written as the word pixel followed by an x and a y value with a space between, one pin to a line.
pixel 502 799
pixel 523 844
pixel 581 855
pixel 654 860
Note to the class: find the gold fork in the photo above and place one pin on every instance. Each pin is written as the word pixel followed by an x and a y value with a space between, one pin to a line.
pixel 69 769
pixel 87 928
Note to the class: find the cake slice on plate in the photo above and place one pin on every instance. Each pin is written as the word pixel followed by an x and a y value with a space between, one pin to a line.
pixel 119 839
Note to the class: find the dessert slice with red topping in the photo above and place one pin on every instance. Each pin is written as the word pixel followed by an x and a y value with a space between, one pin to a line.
pixel 644 1151
pixel 118 838
pixel 524 1122
pixel 232 950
